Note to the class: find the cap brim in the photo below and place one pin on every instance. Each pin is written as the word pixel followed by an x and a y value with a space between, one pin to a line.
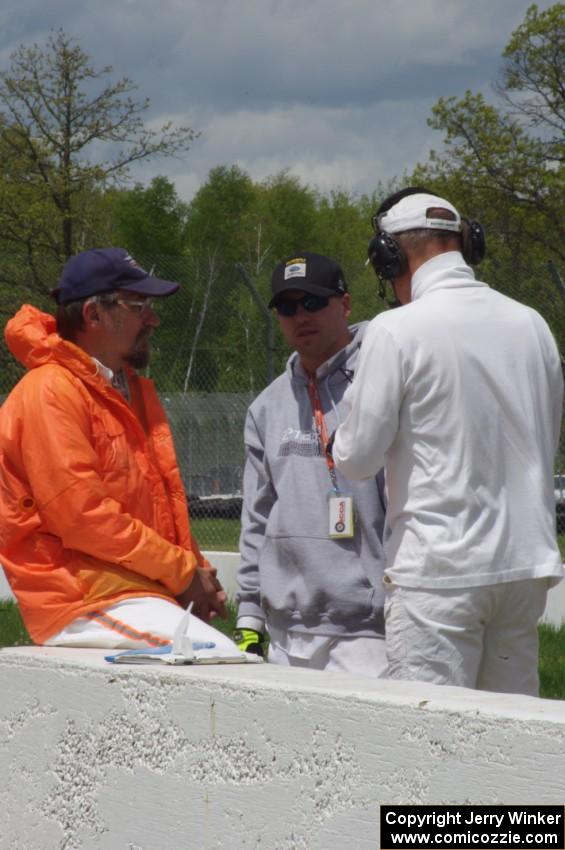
pixel 150 286
pixel 301 286
pixel 154 286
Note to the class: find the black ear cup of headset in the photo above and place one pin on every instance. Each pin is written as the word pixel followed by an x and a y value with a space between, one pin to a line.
pixel 473 242
pixel 389 259
pixel 386 256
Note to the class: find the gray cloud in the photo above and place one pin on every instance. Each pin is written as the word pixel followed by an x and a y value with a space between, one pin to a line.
pixel 338 91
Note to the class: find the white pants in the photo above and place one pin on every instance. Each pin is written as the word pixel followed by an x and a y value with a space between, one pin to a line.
pixel 483 637
pixel 363 655
pixel 140 622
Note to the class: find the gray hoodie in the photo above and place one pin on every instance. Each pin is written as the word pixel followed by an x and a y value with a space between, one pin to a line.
pixel 292 574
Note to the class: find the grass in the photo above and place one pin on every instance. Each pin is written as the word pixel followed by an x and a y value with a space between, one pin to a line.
pixel 552 661
pixel 12 630
pixel 217 534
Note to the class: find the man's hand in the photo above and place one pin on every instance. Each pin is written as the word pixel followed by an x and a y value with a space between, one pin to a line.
pixel 206 593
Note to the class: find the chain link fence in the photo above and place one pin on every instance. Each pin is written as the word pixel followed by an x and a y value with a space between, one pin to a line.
pixel 218 346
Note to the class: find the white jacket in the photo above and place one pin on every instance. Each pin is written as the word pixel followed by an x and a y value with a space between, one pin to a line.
pixel 459 394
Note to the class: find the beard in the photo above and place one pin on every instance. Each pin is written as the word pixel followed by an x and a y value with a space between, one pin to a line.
pixel 139 355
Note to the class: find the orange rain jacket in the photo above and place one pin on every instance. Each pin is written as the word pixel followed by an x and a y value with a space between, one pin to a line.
pixel 92 506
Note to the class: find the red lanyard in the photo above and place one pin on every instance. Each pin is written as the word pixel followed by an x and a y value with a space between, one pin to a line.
pixel 321 428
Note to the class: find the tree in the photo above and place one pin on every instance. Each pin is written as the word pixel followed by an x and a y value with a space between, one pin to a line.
pixel 219 213
pixel 513 155
pixel 57 111
pixel 150 221
pixel 215 335
pixel 281 219
pixel 504 163
pixel 533 76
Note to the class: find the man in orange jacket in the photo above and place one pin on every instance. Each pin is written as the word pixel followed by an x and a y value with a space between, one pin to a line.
pixel 94 527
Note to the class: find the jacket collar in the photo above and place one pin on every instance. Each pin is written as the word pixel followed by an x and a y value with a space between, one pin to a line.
pixel 32 338
pixel 447 270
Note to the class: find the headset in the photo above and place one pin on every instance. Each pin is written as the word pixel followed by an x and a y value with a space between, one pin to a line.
pixel 389 259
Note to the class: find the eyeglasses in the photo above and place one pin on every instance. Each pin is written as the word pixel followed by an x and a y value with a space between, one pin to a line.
pixel 140 308
pixel 310 303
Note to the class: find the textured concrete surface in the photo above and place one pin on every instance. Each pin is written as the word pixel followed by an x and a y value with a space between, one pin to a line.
pixel 99 757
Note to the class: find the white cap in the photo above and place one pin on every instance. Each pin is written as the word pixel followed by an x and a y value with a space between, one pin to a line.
pixel 411 213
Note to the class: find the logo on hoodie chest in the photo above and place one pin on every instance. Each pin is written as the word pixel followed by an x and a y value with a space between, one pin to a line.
pixel 301 443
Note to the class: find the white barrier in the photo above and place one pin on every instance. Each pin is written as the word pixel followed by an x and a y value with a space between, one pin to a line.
pixel 227 564
pixel 99 757
pixel 5 589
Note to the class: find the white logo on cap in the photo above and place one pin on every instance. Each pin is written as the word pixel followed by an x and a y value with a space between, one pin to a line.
pixel 295 270
pixel 131 262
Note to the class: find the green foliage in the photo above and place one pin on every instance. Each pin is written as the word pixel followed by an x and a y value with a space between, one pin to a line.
pixel 514 152
pixel 227 625
pixel 237 231
pixel 286 216
pixel 501 163
pixel 58 109
pixel 233 225
pixel 149 221
pixel 505 165
pixel 12 630
pixel 219 215
pixel 345 229
pixel 534 62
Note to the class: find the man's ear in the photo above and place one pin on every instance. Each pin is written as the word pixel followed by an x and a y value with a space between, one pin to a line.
pixel 91 314
pixel 346 302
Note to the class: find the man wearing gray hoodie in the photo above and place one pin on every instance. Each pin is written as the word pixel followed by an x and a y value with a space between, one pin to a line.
pixel 311 542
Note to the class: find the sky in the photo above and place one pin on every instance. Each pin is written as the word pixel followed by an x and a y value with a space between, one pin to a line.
pixel 338 92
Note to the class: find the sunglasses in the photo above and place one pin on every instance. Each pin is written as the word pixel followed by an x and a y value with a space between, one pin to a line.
pixel 310 303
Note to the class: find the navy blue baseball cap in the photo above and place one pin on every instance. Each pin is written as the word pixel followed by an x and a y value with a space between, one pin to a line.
pixel 103 270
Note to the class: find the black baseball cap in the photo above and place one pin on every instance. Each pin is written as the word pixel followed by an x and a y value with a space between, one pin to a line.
pixel 103 270
pixel 307 272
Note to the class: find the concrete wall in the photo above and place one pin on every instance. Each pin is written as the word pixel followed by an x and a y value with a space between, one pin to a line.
pixel 99 757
